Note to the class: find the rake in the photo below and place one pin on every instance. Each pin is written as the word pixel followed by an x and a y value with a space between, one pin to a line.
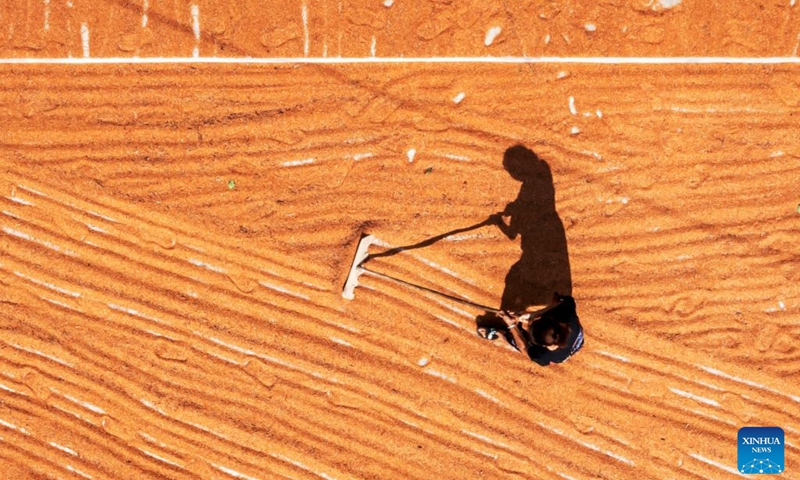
pixel 357 269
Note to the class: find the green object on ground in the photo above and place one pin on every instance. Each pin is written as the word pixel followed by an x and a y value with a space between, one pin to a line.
pixel 231 184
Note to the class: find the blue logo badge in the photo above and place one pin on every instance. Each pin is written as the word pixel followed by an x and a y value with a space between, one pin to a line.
pixel 761 450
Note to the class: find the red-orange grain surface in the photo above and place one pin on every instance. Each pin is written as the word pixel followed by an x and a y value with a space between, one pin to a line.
pixel 159 321
pixel 348 28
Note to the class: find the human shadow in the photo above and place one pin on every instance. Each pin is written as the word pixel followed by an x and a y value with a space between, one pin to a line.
pixel 543 267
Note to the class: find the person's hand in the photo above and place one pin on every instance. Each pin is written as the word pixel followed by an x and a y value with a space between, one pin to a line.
pixel 509 318
pixel 495 219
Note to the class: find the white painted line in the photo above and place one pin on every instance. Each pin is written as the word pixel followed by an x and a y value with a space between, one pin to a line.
pixel 195 11
pixel 85 39
pixel 46 15
pixel 406 60
pixel 305 30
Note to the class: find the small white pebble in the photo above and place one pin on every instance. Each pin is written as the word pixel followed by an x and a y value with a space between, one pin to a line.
pixel 547 39
pixel 575 130
pixel 590 27
pixel 491 35
pixel 411 154
pixel 562 74
pixel 599 114
pixel 624 200
pixel 388 3
pixel 782 305
pixel 572 108
pixel 423 361
pixel 458 98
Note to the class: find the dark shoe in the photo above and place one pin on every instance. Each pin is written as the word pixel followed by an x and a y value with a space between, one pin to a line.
pixel 488 333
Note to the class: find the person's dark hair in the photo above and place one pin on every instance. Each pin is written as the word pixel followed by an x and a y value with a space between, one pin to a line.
pixel 561 333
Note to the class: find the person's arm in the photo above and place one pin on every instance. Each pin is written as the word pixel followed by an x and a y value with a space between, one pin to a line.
pixel 520 339
pixel 509 230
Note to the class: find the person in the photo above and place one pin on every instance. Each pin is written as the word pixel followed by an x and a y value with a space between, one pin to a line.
pixel 551 335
